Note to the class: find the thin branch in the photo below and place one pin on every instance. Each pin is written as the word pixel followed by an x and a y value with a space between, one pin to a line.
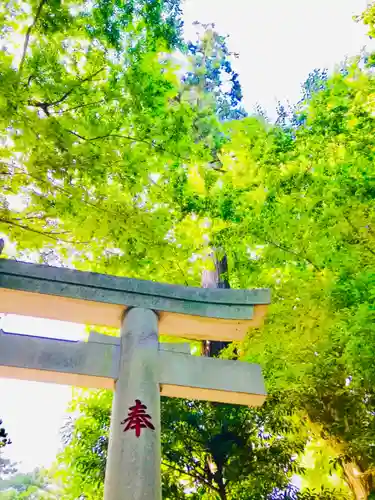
pixel 151 144
pixel 67 93
pixel 28 34
pixel 183 274
pixel 70 194
pixel 197 477
pixel 135 139
pixel 117 215
pixel 162 266
pixel 46 105
pixel 357 232
pixel 30 217
pixel 36 231
pixel 81 106
pixel 292 252
pixel 199 442
pixel 50 184
pixel 120 136
pixel 180 269
pixel 77 135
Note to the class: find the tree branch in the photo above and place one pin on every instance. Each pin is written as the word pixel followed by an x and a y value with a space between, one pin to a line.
pixel 50 184
pixel 357 232
pixel 36 231
pixel 81 106
pixel 28 34
pixel 128 138
pixel 77 135
pixel 117 215
pixel 197 477
pixel 120 136
pixel 45 105
pixel 292 252
pixel 67 93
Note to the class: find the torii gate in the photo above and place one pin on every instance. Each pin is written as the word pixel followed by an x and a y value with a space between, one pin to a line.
pixel 135 365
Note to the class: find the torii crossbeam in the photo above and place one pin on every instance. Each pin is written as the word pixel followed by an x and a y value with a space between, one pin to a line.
pixel 135 365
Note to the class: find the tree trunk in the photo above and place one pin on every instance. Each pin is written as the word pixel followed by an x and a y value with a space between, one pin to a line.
pixel 222 491
pixel 360 483
pixel 218 278
pixel 357 481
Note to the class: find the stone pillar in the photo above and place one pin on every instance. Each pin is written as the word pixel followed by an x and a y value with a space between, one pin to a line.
pixel 133 464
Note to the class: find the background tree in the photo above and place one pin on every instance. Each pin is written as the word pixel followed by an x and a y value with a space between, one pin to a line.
pixel 82 463
pixel 300 211
pixel 28 486
pixel 209 451
pixel 88 107
pixel 4 439
pixel 6 465
pixel 108 144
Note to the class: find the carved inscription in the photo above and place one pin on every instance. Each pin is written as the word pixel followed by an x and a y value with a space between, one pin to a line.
pixel 138 419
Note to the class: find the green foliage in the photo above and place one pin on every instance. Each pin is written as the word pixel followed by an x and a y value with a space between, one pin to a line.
pixel 27 486
pixel 208 450
pixel 368 19
pixel 128 168
pixel 222 451
pixel 300 218
pixel 90 117
pixel 82 463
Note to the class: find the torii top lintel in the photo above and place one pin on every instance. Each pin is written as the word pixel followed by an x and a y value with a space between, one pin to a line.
pixel 91 298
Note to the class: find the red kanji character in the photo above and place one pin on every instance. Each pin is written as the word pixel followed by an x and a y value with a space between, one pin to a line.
pixel 138 418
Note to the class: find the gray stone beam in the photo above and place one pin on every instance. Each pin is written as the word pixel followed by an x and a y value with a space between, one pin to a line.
pixel 210 379
pixel 83 364
pixel 96 364
pixel 131 285
pixel 91 298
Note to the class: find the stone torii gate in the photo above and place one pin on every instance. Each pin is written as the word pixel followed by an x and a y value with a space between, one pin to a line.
pixel 135 365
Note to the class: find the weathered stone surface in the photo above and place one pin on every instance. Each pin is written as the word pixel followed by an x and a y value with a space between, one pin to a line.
pixel 137 366
pixel 211 379
pixel 163 346
pixel 129 299
pixel 96 364
pixel 84 364
pixel 133 286
pixel 133 464
pixel 80 297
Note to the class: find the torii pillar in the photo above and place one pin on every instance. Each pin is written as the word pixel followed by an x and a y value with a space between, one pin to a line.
pixel 136 366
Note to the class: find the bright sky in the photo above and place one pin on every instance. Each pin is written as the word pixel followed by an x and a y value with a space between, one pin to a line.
pixel 279 43
pixel 32 412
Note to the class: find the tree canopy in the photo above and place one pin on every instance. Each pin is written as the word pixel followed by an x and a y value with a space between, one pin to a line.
pixel 97 126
